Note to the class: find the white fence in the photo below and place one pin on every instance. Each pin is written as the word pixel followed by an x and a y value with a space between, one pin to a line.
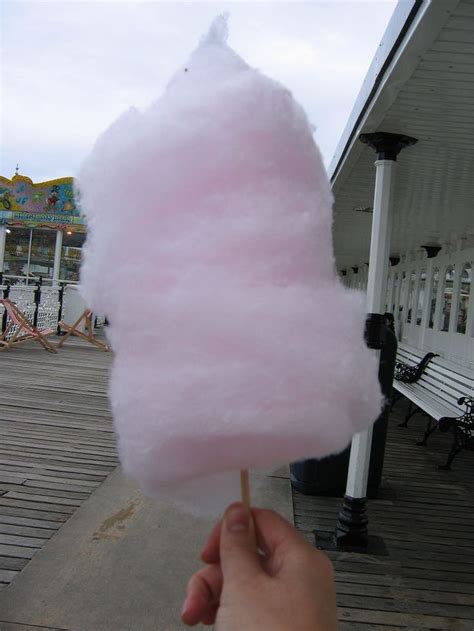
pixel 44 306
pixel 431 301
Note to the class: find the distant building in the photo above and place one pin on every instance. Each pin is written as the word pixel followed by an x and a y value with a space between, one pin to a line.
pixel 41 230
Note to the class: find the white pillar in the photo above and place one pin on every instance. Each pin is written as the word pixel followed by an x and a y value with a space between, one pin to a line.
pixel 439 297
pixel 453 320
pixel 415 299
pixel 351 527
pixel 359 461
pixel 57 256
pixel 3 236
pixel 427 301
pixel 28 263
pixel 390 296
pixel 380 237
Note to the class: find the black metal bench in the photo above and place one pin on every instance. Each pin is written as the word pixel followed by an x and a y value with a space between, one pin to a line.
pixel 439 390
pixel 408 369
pixel 462 429
pixel 410 373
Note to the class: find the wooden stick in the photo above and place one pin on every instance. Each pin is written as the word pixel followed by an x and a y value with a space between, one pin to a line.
pixel 245 488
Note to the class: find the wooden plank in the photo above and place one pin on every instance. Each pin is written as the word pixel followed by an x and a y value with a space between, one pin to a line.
pixel 47 446
pixel 29 402
pixel 11 415
pixel 37 523
pixel 11 479
pixel 76 425
pixel 54 466
pixel 394 604
pixel 6 576
pixel 93 454
pixel 28 398
pixel 66 437
pixel 57 443
pixel 356 626
pixel 11 502
pixel 433 584
pixel 48 499
pixel 46 453
pixel 104 427
pixel 20 540
pixel 12 563
pixel 61 486
pixel 17 552
pixel 25 531
pixel 428 596
pixel 402 619
pixel 60 427
pixel 426 521
pixel 44 481
pixel 38 473
pixel 77 495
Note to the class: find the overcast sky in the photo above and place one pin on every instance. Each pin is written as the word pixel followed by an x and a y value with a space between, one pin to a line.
pixel 69 68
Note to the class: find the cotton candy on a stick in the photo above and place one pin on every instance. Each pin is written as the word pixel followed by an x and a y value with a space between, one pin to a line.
pixel 210 251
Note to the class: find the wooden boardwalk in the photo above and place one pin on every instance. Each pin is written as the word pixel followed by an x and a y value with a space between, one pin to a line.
pixel 426 519
pixel 57 446
pixel 56 443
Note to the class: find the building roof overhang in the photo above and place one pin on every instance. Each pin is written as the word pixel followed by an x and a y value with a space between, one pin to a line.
pixel 421 84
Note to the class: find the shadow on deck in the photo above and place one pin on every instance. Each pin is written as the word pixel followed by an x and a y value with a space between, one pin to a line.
pixel 426 519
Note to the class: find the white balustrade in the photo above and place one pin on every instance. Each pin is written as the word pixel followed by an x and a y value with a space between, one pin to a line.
pixel 48 308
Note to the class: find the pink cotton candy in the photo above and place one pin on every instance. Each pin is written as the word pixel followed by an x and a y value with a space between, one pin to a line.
pixel 210 251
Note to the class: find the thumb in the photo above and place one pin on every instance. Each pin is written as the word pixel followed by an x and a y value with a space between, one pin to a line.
pixel 238 545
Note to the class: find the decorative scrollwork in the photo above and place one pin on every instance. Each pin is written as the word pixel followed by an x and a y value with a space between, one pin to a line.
pixel 462 428
pixel 410 374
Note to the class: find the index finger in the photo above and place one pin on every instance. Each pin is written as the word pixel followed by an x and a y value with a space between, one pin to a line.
pixel 210 552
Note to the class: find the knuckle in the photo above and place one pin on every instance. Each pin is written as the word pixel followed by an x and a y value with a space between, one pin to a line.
pixel 324 564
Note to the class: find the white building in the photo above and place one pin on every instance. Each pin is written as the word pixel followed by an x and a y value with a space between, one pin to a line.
pixel 420 84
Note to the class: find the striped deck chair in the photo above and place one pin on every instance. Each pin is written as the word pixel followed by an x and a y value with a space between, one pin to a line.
pixel 19 329
pixel 73 329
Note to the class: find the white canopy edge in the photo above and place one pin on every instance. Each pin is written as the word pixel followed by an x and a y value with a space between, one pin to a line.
pixel 414 26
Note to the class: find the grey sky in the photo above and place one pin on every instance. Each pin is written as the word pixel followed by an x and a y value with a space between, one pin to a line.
pixel 69 68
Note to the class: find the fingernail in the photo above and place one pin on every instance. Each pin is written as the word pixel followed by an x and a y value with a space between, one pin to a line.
pixel 237 519
pixel 185 606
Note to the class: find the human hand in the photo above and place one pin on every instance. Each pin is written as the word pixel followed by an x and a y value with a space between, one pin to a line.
pixel 261 575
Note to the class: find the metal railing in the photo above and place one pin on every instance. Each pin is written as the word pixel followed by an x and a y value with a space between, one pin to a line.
pixel 33 280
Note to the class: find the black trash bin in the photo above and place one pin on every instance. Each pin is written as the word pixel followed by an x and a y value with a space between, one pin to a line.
pixel 328 476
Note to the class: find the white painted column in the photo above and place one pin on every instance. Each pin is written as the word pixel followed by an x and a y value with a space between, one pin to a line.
pixel 427 302
pixel 3 236
pixel 453 320
pixel 390 296
pixel 376 286
pixel 416 296
pixel 396 311
pixel 57 256
pixel 28 263
pixel 440 297
pixel 404 289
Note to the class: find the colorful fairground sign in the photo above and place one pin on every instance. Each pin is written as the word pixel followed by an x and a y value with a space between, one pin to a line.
pixel 43 205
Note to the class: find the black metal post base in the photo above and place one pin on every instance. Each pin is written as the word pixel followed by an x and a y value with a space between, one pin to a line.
pixel 327 541
pixel 351 533
pixel 351 527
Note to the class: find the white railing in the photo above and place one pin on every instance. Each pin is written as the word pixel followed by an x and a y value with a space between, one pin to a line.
pixel 43 305
pixel 432 300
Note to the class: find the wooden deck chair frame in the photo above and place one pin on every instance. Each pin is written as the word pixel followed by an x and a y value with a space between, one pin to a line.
pixel 26 331
pixel 71 329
